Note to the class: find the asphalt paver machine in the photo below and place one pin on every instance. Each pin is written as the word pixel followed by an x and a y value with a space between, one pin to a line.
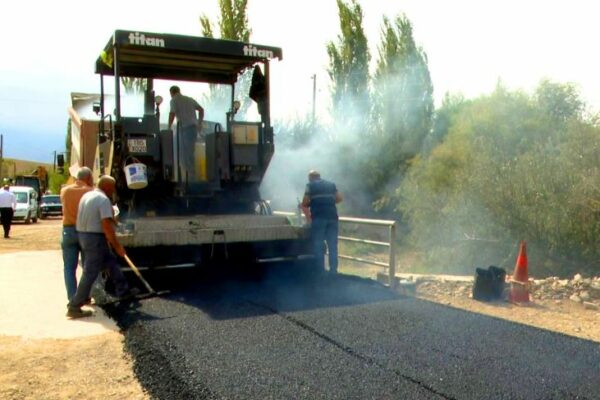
pixel 168 216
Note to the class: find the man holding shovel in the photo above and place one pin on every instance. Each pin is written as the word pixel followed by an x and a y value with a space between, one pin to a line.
pixel 95 229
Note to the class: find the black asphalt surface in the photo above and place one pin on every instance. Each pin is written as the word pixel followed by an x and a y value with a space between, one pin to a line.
pixel 280 336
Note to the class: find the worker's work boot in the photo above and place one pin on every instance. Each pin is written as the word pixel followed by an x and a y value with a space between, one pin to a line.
pixel 77 312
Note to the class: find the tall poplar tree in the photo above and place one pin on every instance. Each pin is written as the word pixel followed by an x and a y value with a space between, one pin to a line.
pixel 402 112
pixel 403 92
pixel 349 68
pixel 233 23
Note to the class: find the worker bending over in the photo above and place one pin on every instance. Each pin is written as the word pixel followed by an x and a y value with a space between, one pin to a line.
pixel 319 205
pixel 95 228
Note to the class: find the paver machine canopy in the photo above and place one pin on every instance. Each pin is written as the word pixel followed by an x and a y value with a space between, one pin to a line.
pixel 230 160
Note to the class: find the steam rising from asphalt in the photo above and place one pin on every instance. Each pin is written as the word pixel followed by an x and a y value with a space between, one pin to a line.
pixel 286 178
pixel 287 175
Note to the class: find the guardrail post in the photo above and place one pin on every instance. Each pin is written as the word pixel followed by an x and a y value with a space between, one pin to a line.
pixel 392 267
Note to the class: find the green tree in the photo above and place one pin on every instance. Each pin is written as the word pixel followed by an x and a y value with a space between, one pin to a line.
pixel 349 69
pixel 442 120
pixel 507 171
pixel 56 180
pixel 560 101
pixel 233 23
pixel 134 85
pixel 402 112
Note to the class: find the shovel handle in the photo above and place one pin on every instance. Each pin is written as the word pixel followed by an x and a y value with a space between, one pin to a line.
pixel 138 273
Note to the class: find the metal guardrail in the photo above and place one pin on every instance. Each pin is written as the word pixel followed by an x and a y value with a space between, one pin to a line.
pixel 391 243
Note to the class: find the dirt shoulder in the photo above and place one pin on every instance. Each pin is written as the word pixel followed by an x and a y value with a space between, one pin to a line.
pixel 93 367
pixel 562 315
pixel 566 318
pixel 43 235
pixel 42 354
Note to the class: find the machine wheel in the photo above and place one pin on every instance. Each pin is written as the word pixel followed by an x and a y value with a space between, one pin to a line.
pixel 28 218
pixel 35 219
pixel 43 216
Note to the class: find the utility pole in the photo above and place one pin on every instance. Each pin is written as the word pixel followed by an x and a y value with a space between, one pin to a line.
pixel 314 78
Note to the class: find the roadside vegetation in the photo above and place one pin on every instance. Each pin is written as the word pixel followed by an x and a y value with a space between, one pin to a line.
pixel 466 181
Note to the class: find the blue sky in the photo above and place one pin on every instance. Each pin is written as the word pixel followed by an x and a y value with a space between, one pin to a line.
pixel 49 48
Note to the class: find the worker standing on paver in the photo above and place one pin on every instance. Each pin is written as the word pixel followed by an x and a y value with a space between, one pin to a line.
pixel 95 229
pixel 70 196
pixel 184 108
pixel 319 205
pixel 8 205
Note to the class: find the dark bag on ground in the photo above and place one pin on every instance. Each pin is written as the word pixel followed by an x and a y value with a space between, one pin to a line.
pixel 489 283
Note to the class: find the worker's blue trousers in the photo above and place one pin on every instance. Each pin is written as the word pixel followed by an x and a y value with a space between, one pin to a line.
pixel 97 257
pixel 70 252
pixel 325 230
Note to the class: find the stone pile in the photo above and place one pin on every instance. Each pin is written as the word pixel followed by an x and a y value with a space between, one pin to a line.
pixel 444 287
pixel 585 291
pixel 581 290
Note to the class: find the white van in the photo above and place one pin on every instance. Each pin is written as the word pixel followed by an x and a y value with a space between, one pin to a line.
pixel 27 204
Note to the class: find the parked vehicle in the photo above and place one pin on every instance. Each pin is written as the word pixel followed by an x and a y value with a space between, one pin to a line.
pixel 27 204
pixel 50 205
pixel 37 179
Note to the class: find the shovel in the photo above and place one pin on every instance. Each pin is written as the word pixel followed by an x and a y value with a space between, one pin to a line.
pixel 151 292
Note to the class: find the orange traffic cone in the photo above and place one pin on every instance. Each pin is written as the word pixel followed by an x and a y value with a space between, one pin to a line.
pixel 519 290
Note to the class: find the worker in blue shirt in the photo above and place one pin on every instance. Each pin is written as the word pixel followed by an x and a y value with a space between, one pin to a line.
pixel 319 205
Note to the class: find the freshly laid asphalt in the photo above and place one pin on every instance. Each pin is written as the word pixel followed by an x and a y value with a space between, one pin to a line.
pixel 280 336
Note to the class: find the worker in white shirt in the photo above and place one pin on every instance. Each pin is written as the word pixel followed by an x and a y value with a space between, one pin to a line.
pixel 8 205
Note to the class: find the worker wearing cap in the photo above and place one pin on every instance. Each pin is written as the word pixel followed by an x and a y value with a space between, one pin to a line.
pixel 8 205
pixel 319 205
pixel 70 196
pixel 184 108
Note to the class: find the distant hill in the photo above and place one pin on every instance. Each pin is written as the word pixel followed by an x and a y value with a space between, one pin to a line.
pixel 12 167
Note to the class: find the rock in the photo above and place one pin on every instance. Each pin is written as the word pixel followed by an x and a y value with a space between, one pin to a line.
pixel 577 277
pixel 575 298
pixel 584 295
pixel 591 306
